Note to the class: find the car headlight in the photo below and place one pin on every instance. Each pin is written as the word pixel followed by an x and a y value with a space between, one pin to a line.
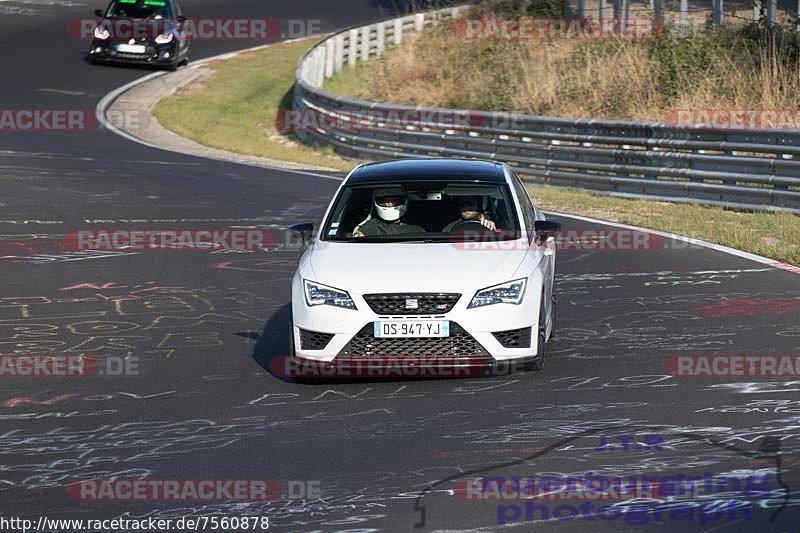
pixel 318 294
pixel 164 39
pixel 506 293
pixel 101 33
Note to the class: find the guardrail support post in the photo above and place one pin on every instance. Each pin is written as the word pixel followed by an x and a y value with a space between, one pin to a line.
pixel 338 60
pixel 757 7
pixel 797 16
pixel 658 11
pixel 398 31
pixel 684 18
pixel 365 33
pixel 352 49
pixel 330 54
pixel 772 9
pixel 716 6
pixel 380 40
pixel 603 9
pixel 419 22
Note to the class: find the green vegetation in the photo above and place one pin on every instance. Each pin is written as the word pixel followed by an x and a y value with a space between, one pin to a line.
pixel 775 235
pixel 237 107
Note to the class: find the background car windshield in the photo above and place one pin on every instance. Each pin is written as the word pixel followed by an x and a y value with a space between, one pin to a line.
pixel 139 9
pixel 437 211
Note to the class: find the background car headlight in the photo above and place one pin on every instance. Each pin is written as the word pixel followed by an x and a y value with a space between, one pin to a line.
pixel 318 294
pixel 506 293
pixel 164 39
pixel 101 33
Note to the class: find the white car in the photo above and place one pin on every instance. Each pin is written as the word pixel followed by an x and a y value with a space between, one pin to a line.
pixel 431 258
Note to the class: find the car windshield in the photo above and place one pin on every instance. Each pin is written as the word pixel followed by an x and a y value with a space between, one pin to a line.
pixel 422 211
pixel 139 9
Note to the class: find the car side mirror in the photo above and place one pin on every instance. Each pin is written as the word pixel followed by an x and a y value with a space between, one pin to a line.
pixel 305 229
pixel 546 229
pixel 98 12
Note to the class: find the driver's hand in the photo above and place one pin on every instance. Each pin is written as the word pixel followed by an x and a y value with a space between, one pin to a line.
pixel 488 224
pixel 357 233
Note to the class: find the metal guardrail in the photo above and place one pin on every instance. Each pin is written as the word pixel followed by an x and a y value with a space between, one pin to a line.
pixel 742 169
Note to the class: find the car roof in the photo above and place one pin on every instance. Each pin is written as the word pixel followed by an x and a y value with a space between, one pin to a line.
pixel 444 169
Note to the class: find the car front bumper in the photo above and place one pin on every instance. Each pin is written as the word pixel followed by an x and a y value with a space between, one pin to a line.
pixel 324 333
pixel 154 54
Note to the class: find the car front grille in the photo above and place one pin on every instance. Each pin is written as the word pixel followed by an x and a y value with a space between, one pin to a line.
pixel 458 344
pixel 411 303
pixel 314 340
pixel 514 338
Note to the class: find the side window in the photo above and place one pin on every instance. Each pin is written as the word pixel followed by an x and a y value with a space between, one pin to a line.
pixel 525 203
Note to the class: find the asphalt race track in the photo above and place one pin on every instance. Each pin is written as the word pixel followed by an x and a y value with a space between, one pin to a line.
pixel 382 454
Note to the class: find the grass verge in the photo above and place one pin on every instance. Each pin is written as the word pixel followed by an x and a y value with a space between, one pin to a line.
pixel 235 109
pixel 775 235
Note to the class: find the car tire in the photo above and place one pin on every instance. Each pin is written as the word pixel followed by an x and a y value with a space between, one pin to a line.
pixel 541 339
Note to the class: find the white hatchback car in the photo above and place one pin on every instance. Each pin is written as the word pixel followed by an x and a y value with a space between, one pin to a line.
pixel 430 258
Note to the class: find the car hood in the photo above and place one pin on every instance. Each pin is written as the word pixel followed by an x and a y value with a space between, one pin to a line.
pixel 364 268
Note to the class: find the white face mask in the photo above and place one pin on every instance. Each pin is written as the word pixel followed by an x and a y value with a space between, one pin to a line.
pixel 391 214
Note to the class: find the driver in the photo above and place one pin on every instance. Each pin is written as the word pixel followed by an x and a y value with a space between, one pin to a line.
pixel 390 206
pixel 469 206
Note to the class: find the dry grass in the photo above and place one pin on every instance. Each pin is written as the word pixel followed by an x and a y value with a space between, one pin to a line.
pixel 643 80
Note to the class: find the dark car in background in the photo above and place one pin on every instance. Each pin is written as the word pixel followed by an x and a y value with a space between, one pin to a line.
pixel 145 32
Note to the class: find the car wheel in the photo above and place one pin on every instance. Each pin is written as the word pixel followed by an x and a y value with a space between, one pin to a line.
pixel 541 339
pixel 172 67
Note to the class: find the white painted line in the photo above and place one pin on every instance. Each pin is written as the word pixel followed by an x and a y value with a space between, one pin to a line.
pixel 683 238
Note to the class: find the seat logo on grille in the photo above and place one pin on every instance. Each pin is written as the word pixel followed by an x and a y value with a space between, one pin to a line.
pixel 412 303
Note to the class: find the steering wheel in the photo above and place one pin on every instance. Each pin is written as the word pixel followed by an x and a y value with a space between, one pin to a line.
pixel 463 225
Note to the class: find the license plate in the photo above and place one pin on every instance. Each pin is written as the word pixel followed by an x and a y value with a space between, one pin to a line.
pixel 412 328
pixel 131 48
